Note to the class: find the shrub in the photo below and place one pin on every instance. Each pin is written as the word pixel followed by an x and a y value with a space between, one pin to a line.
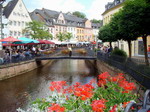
pixel 119 52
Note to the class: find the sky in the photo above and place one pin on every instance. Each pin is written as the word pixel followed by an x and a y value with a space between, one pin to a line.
pixel 91 8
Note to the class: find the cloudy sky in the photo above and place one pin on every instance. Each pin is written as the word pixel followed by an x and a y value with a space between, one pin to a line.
pixel 92 8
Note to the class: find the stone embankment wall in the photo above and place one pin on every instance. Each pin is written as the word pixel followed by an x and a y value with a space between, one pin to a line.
pixel 104 67
pixel 15 69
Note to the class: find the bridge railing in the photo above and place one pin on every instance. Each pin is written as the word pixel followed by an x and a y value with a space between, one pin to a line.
pixel 57 52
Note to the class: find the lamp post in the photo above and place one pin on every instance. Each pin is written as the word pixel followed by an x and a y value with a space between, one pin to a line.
pixel 1 24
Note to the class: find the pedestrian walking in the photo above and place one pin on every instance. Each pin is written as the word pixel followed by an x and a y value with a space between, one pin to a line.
pixel 70 51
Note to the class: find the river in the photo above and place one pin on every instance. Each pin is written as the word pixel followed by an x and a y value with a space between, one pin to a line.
pixel 21 90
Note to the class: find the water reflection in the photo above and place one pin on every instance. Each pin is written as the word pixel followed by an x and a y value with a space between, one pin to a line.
pixel 21 90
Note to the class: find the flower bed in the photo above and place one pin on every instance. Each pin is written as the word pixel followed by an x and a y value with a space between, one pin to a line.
pixel 65 51
pixel 107 94
pixel 81 51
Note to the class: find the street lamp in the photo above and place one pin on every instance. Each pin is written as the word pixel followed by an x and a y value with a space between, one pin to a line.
pixel 1 24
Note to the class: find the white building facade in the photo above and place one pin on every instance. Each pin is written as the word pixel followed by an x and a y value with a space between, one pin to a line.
pixel 18 18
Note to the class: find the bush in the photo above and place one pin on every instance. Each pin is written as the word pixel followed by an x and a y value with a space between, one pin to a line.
pixel 119 52
pixel 118 55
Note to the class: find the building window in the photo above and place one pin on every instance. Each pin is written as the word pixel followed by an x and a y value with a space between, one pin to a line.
pixel 26 15
pixel 11 33
pixel 23 23
pixel 15 33
pixel 10 22
pixel 19 23
pixel 26 23
pixel 14 13
pixel 15 23
pixel 19 33
pixel 18 14
pixel 20 5
pixel 122 46
pixel 22 15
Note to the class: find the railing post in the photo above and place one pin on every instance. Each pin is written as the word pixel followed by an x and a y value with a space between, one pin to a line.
pixel 145 106
pixel 146 100
pixel 130 105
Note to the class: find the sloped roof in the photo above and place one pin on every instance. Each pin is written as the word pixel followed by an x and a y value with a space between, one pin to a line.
pixel 97 25
pixel 50 15
pixel 73 18
pixel 9 8
pixel 35 17
pixel 113 4
pixel 38 15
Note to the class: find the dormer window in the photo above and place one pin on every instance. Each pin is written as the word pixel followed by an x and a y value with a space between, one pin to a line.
pixel 10 22
pixel 14 13
pixel 20 5
pixel 18 14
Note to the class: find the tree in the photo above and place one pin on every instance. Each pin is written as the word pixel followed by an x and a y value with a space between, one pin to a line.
pixel 68 35
pixel 37 30
pixel 136 19
pixel 121 29
pixel 105 34
pixel 61 36
pixel 96 21
pixel 79 14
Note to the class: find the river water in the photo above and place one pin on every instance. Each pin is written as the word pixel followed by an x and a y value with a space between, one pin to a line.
pixel 21 90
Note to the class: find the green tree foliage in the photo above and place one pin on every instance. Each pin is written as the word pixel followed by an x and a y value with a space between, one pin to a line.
pixel 61 36
pixel 121 29
pixel 37 30
pixel 96 21
pixel 79 14
pixel 136 19
pixel 105 34
pixel 68 35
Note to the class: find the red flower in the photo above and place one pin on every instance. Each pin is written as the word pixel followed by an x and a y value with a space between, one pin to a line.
pixel 56 108
pixel 57 85
pixel 127 86
pixel 84 92
pixel 103 76
pixel 113 109
pixel 98 105
pixel 101 83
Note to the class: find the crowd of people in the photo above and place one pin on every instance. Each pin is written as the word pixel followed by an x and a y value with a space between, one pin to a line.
pixel 105 49
pixel 14 54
